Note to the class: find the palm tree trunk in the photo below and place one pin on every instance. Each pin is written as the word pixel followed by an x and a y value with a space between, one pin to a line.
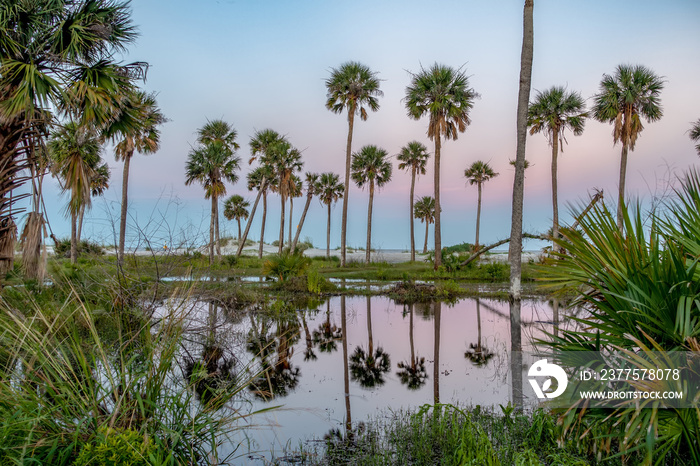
pixel 478 216
pixel 369 221
pixel 425 245
pixel 438 238
pixel 328 234
pixel 437 307
pixel 370 339
pixel 262 228
pixel 238 220
pixel 478 325
pixel 413 240
pixel 122 218
pixel 212 233
pixel 621 195
pixel 81 215
pixel 346 195
pixel 346 375
pixel 410 338
pixel 281 241
pixel 74 237
pixel 291 214
pixel 555 196
pixel 216 230
pixel 241 242
pixel 301 222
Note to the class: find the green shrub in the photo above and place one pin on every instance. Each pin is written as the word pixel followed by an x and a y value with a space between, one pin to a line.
pixel 62 248
pixel 115 447
pixel 285 266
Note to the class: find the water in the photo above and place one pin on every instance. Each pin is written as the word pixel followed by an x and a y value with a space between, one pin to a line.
pixel 311 370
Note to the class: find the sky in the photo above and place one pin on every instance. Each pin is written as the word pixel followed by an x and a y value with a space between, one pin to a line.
pixel 263 65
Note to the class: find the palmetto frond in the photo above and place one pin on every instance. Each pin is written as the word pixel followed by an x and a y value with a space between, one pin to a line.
pixel 444 94
pixel 353 86
pixel 695 135
pixel 371 164
pixel 136 126
pixel 413 155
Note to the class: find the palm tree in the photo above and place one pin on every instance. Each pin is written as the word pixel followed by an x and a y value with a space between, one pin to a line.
pixel 295 191
pixel 695 135
pixel 99 183
pixel 258 179
pixel 412 373
pixel 368 368
pixel 370 164
pixel 478 354
pixel 210 164
pixel 75 153
pixel 553 112
pixel 283 160
pixel 235 207
pixel 311 181
pixel 424 209
pixel 136 130
pixel 327 334
pixel 479 173
pixel 352 87
pixel 414 157
pixel 626 97
pixel 329 189
pixel 444 94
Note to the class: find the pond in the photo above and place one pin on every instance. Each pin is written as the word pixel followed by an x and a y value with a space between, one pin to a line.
pixel 395 356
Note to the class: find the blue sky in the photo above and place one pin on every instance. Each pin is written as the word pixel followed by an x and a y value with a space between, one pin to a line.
pixel 263 65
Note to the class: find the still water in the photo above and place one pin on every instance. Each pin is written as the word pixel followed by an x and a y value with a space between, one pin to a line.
pixel 394 356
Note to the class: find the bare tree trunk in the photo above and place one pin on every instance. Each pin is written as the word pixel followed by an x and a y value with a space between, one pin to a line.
pixel 328 234
pixel 216 229
pixel 124 206
pixel 478 216
pixel 413 240
pixel 438 238
pixel 555 196
pixel 262 228
pixel 425 245
pixel 348 150
pixel 621 195
pixel 242 241
pixel 301 222
pixel 212 233
pixel 281 241
pixel 516 232
pixel 291 214
pixel 369 221
pixel 238 220
pixel 74 238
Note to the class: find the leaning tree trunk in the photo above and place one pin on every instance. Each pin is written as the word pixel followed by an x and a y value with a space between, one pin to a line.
pixel 238 220
pixel 516 232
pixel 122 218
pixel 212 233
pixel 425 244
pixel 438 238
pixel 555 195
pixel 242 241
pixel 413 238
pixel 262 228
pixel 369 221
pixel 281 241
pixel 478 215
pixel 346 195
pixel 74 237
pixel 328 234
pixel 301 222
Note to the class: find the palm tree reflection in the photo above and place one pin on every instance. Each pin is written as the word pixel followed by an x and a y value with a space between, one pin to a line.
pixel 412 373
pixel 477 353
pixel 368 367
pixel 328 334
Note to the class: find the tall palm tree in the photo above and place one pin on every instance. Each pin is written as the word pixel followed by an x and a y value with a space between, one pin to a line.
pixel 295 191
pixel 258 179
pixel 695 135
pixel 414 157
pixel 352 87
pixel 626 97
pixel 284 160
pixel 442 93
pixel 235 207
pixel 552 113
pixel 424 210
pixel 99 183
pixel 368 368
pixel 479 173
pixel 370 165
pixel 329 189
pixel 75 153
pixel 311 181
pixel 135 130
pixel 212 163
